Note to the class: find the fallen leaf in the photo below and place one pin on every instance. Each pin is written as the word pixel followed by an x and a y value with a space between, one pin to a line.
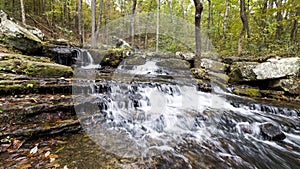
pixel 52 159
pixel 33 150
pixel 16 144
pixel 53 156
pixel 47 154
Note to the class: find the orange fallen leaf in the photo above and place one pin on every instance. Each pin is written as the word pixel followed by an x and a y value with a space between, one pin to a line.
pixel 16 144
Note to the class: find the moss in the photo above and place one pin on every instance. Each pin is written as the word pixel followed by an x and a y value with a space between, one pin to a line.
pixel 247 91
pixel 13 88
pixel 46 69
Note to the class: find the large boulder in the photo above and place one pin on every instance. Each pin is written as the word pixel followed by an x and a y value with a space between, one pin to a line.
pixel 213 65
pixel 277 68
pixel 242 72
pixel 18 37
pixel 292 85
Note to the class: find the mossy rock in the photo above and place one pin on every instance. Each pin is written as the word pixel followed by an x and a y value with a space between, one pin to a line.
pixel 33 66
pixel 200 73
pixel 174 64
pixel 113 57
pixel 46 69
pixel 247 91
pixel 242 72
pixel 136 60
pixel 12 87
pixel 25 58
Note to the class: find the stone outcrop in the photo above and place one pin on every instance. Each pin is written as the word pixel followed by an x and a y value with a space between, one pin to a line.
pixel 18 37
pixel 277 68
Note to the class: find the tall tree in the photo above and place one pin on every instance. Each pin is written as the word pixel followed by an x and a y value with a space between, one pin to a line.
pixel 225 19
pixel 279 18
pixel 198 13
pixel 93 20
pixel 208 26
pixel 245 26
pixel 157 25
pixel 23 12
pixel 133 21
pixel 80 22
pixel 295 30
pixel 99 19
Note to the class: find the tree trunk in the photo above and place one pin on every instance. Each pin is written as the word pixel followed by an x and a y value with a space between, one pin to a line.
pixel 80 22
pixel 245 22
pixel 157 25
pixel 225 19
pixel 133 22
pixel 93 20
pixel 23 12
pixel 294 30
pixel 199 9
pixel 279 18
pixel 208 26
pixel 99 20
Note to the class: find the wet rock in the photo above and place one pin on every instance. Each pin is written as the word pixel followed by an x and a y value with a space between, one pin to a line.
pixel 242 72
pixel 136 60
pixel 221 77
pixel 292 85
pixel 213 65
pixel 272 132
pixel 199 73
pixel 246 91
pixel 63 55
pixel 174 64
pixel 273 94
pixel 18 37
pixel 277 68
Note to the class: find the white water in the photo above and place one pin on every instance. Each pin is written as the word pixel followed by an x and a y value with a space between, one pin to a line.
pixel 146 119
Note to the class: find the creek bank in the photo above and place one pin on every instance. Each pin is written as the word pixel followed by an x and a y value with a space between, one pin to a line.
pixel 269 77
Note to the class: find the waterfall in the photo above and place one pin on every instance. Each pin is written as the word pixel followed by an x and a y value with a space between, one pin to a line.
pixel 145 118
pixel 86 59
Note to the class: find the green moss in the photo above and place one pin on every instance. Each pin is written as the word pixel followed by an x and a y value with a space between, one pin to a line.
pixel 251 92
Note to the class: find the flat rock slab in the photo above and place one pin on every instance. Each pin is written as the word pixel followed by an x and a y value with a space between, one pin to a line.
pixel 277 68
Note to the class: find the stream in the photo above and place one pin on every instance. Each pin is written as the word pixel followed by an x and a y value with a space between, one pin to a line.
pixel 148 112
pixel 152 115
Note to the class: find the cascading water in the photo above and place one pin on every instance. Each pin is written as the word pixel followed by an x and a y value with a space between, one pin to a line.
pixel 171 120
pixel 85 58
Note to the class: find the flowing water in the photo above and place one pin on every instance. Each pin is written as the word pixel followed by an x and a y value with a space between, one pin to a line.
pixel 154 116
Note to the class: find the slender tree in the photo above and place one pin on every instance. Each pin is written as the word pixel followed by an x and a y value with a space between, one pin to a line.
pixel 225 19
pixel 99 19
pixel 245 26
pixel 23 12
pixel 198 13
pixel 93 20
pixel 133 21
pixel 80 22
pixel 157 25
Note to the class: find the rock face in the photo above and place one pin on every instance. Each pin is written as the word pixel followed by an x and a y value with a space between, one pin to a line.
pixel 63 55
pixel 242 72
pixel 277 68
pixel 174 64
pixel 292 85
pixel 18 37
pixel 213 65
pixel 272 132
